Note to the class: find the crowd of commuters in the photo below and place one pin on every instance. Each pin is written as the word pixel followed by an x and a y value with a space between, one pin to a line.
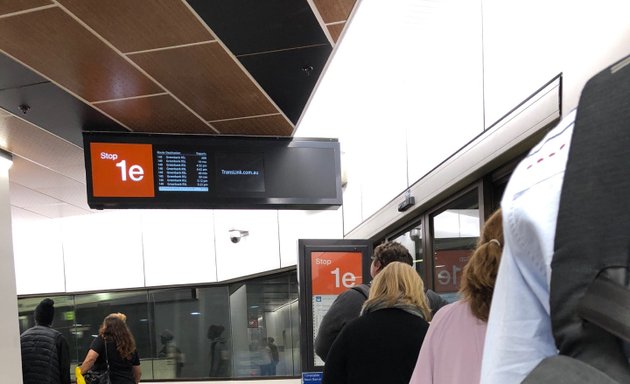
pixel 348 305
pixel 387 342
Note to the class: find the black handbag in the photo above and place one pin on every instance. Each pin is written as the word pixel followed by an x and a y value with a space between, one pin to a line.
pixel 99 377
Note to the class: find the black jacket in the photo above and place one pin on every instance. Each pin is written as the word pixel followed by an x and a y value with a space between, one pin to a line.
pixel 45 356
pixel 378 347
pixel 346 308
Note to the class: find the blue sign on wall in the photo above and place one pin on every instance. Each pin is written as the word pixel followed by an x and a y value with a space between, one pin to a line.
pixel 312 377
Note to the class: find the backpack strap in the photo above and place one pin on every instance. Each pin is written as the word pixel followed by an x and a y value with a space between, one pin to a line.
pixel 592 234
pixel 562 370
pixel 607 305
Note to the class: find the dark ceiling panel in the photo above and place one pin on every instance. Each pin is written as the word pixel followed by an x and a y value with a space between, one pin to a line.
pixel 139 25
pixel 289 76
pixel 274 125
pixel 207 79
pixel 56 111
pixel 14 74
pixel 249 26
pixel 334 10
pixel 155 114
pixel 10 6
pixel 57 46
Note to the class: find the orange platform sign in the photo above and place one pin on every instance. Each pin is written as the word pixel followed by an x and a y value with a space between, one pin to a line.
pixel 335 272
pixel 449 265
pixel 122 170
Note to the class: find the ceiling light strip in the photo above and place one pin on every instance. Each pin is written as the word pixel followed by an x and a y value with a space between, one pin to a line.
pixel 321 22
pixel 27 11
pixel 281 50
pixel 132 63
pixel 131 97
pixel 170 47
pixel 244 117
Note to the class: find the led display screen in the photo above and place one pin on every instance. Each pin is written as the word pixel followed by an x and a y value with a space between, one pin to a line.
pixel 132 170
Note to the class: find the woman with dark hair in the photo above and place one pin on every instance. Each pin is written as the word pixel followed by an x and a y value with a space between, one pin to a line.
pixel 114 347
pixel 453 347
pixel 381 345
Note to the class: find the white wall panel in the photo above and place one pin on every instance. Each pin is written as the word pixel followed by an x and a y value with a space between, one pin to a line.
pixel 595 35
pixel 521 49
pixel 526 43
pixel 10 356
pixel 368 97
pixel 257 252
pixel 103 251
pixel 38 253
pixel 352 210
pixel 294 225
pixel 178 247
pixel 449 98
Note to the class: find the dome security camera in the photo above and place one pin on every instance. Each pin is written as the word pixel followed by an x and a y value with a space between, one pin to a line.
pixel 236 235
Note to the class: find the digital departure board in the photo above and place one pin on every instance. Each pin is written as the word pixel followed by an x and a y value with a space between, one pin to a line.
pixel 130 170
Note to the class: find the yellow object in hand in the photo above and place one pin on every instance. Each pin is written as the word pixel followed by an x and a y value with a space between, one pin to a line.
pixel 80 378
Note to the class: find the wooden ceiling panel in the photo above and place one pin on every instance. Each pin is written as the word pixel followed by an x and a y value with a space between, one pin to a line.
pixel 57 46
pixel 334 10
pixel 140 25
pixel 274 125
pixel 160 113
pixel 335 30
pixel 10 6
pixel 207 79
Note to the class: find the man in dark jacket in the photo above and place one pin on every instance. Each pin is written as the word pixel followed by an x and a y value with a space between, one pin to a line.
pixel 45 352
pixel 347 306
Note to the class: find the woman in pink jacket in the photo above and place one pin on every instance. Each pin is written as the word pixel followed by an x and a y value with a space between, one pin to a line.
pixel 453 347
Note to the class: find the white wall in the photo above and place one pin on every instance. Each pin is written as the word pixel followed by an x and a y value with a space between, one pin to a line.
pixel 145 248
pixel 10 354
pixel 414 81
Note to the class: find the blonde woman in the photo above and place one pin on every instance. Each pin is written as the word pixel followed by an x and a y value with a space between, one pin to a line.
pixel 453 348
pixel 116 347
pixel 382 345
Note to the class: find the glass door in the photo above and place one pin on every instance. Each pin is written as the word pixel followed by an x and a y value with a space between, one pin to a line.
pixel 454 233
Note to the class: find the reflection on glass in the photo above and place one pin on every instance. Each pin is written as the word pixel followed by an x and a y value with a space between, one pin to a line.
pixel 412 240
pixel 455 234
pixel 244 329
pixel 91 310
pixel 63 321
pixel 181 318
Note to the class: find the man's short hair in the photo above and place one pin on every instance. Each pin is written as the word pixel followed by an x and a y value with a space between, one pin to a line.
pixel 392 251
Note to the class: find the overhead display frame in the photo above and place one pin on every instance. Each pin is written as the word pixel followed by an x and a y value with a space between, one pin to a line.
pixel 152 171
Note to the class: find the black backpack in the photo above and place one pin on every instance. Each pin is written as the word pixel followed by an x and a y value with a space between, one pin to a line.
pixel 590 278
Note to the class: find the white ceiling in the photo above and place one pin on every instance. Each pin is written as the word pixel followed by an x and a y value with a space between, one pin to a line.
pixel 47 179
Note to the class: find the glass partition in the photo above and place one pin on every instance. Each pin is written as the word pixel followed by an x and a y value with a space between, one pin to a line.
pixel 412 240
pixel 455 231
pixel 243 329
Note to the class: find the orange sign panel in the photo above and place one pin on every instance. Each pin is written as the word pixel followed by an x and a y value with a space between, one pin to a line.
pixel 122 170
pixel 334 272
pixel 449 265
